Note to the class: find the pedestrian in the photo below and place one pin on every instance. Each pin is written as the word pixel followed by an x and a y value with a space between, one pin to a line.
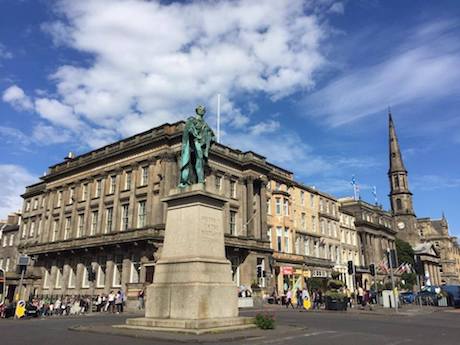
pixel 119 302
pixel 349 299
pixel 140 299
pixel 111 300
pixel 98 303
pixel 289 299
pixel 360 295
pixel 299 303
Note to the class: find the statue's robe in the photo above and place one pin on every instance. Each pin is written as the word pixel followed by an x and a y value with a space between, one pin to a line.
pixel 196 142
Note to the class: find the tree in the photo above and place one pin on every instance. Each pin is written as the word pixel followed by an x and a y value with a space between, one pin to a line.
pixel 405 252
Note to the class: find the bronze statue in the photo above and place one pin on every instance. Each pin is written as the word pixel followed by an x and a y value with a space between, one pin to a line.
pixel 196 142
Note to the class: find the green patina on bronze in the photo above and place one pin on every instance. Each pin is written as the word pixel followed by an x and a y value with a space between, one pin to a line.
pixel 196 142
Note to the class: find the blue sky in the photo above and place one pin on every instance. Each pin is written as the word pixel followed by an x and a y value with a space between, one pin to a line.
pixel 305 83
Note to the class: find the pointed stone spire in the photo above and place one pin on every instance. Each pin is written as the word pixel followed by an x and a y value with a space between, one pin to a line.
pixel 396 161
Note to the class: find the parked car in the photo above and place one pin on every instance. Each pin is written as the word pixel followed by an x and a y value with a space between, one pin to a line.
pixel 453 295
pixel 428 296
pixel 407 297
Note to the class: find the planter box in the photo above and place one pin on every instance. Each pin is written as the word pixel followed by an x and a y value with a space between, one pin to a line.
pixel 245 302
pixel 335 304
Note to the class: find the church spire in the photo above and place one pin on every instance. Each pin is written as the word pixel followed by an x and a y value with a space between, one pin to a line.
pixel 396 161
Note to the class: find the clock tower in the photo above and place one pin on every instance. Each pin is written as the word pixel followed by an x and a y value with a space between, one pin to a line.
pixel 400 195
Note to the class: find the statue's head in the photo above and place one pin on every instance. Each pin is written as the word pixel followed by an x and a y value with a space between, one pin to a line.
pixel 200 110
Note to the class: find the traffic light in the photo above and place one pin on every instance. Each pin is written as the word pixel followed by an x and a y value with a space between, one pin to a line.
pixel 259 271
pixel 372 269
pixel 351 267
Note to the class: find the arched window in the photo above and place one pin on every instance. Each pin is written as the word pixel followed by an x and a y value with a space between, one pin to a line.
pixel 398 204
pixel 396 181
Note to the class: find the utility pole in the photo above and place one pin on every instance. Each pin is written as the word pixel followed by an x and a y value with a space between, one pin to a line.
pixel 390 262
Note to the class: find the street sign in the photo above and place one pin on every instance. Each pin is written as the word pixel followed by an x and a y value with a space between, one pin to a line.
pixel 287 270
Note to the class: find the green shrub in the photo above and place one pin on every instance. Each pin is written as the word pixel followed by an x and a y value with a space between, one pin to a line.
pixel 334 284
pixel 335 295
pixel 265 321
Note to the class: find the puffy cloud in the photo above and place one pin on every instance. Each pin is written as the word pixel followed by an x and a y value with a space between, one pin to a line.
pixel 153 62
pixel 14 180
pixel 16 97
pixel 5 53
pixel 56 112
pixel 264 127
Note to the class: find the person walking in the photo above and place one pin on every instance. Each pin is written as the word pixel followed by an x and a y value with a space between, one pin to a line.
pixel 289 299
pixel 111 301
pixel 299 303
pixel 140 299
pixel 119 302
pixel 360 295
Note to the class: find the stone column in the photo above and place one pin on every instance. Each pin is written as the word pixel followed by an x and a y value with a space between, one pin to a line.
pixel 250 206
pixel 263 211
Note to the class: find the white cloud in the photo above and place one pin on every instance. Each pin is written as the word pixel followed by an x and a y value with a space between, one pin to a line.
pixel 435 182
pixel 153 62
pixel 268 126
pixel 48 135
pixel 14 180
pixel 424 67
pixel 16 97
pixel 56 112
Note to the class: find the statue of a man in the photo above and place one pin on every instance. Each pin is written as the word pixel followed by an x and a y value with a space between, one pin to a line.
pixel 196 142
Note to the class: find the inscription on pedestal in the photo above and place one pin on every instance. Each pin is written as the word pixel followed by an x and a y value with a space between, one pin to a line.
pixel 209 227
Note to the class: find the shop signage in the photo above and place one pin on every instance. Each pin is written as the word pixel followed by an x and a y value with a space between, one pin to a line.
pixel 287 270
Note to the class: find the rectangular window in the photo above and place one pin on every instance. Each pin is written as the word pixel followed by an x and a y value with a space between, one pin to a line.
pixel 28 205
pixel 141 214
pixel 35 203
pixel 322 226
pixel 67 228
pixel 278 206
pixel 71 280
pixel 128 177
pixel 312 200
pixel 233 189
pixel 71 195
pixel 54 235
pixel 94 218
pixel 286 207
pixel 7 265
pixel 24 230
pixel 109 220
pixel 98 189
pixel 233 223
pixel 113 184
pixel 218 181
pixel 145 176
pixel 81 224
pixel 277 186
pixel 269 236
pixel 124 217
pixel 303 221
pixel 287 247
pixel 11 240
pixel 5 241
pixel 313 223
pixel 46 278
pixel 32 229
pixel 117 271
pixel 279 238
pixel 84 278
pixel 58 281
pixel 306 246
pixel 321 205
pixel 84 192
pixel 59 199
pixel 43 201
pixel 302 198
pixel 101 268
pixel 135 269
pixel 269 208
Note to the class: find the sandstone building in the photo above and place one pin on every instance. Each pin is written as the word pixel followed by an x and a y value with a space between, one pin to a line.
pixel 101 213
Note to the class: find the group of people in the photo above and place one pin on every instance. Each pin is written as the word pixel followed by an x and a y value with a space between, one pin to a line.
pixel 364 298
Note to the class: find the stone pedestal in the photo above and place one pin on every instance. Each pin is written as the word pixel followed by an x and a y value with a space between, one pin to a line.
pixel 192 290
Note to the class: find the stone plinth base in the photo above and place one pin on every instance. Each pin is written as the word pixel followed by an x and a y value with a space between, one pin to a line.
pixel 190 326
